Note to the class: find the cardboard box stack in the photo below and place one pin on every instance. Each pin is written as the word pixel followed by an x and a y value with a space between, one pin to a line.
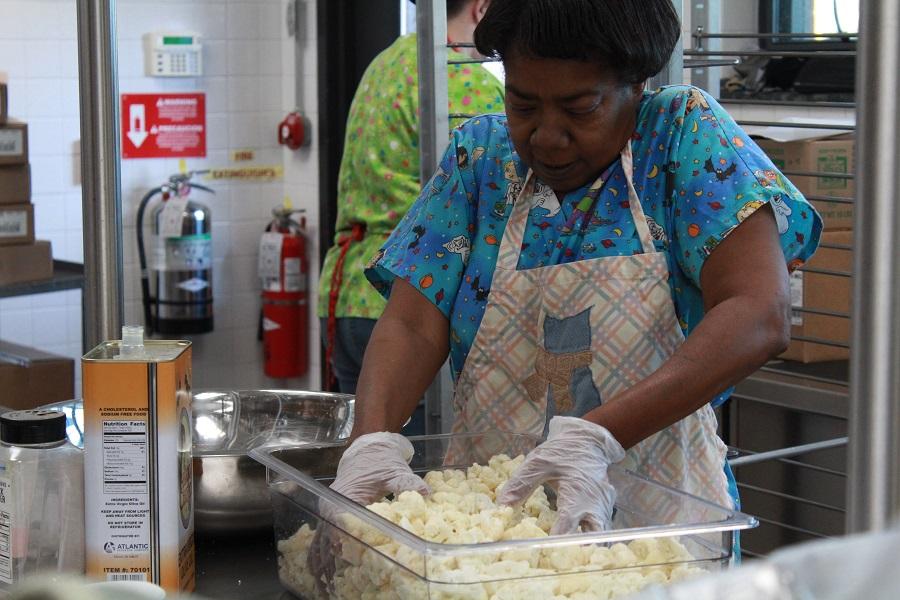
pixel 22 258
pixel 30 378
pixel 820 287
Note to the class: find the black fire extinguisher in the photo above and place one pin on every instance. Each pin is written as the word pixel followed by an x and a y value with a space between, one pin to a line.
pixel 176 277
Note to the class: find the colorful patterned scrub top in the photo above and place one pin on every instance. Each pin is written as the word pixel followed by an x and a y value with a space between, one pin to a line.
pixel 697 173
pixel 379 176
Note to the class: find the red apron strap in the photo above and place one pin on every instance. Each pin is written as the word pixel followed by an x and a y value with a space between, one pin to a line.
pixel 356 234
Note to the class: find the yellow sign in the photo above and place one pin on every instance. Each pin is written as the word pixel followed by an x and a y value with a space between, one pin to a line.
pixel 242 155
pixel 259 173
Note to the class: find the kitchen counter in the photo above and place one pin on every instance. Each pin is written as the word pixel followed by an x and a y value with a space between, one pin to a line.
pixel 238 568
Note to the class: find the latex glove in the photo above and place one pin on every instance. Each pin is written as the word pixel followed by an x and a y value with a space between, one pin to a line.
pixel 574 460
pixel 375 465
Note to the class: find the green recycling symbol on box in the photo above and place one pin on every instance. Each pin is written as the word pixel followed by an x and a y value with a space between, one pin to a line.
pixel 832 164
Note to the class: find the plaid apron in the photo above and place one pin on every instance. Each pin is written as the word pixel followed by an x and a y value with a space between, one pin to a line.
pixel 562 339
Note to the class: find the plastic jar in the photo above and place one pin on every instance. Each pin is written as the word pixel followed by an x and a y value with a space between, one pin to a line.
pixel 41 497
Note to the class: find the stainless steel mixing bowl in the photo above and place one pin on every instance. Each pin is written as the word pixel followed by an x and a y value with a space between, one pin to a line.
pixel 230 491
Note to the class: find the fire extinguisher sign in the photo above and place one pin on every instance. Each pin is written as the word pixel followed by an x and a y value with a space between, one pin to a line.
pixel 163 125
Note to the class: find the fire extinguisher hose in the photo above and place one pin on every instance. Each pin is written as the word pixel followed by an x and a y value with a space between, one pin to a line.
pixel 356 234
pixel 142 259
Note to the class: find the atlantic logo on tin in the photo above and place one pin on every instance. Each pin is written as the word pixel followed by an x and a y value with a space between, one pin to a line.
pixel 111 548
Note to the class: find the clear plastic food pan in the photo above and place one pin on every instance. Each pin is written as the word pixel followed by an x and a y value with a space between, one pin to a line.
pixel 331 547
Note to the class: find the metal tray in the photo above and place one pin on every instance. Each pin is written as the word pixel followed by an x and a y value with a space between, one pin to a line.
pixel 644 509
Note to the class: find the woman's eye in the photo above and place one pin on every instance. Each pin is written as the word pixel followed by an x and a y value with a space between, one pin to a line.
pixel 520 108
pixel 583 109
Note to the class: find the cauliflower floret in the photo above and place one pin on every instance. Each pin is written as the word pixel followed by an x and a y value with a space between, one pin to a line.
pixel 567 558
pixel 446 498
pixel 525 530
pixel 487 476
pixel 624 557
pixel 546 519
pixel 537 502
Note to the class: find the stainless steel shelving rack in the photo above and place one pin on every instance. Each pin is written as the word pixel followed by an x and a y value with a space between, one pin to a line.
pixel 817 488
pixel 787 423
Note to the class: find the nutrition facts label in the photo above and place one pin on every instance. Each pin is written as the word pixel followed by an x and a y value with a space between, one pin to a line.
pixel 6 518
pixel 124 457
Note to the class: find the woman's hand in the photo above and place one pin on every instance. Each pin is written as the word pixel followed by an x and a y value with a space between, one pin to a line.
pixel 574 459
pixel 375 465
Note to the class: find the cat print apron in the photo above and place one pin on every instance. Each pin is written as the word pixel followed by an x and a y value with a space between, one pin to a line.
pixel 560 339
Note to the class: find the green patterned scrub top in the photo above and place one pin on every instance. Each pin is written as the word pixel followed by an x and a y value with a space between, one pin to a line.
pixel 379 176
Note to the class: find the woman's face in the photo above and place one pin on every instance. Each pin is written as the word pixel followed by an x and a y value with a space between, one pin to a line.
pixel 568 119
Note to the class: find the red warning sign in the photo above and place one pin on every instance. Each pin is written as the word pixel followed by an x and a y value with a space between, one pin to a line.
pixel 163 125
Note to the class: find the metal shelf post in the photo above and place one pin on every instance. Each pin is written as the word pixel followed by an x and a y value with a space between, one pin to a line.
pixel 103 300
pixel 706 15
pixel 874 453
pixel 434 123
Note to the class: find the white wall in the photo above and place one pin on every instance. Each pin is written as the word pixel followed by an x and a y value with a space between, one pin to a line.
pixel 249 84
pixel 39 54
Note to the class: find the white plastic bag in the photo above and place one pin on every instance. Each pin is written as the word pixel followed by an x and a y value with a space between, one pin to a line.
pixel 859 566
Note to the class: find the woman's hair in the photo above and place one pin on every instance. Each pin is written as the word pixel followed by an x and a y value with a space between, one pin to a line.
pixel 454 7
pixel 634 38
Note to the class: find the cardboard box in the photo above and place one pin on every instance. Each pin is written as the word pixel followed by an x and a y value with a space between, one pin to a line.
pixel 25 262
pixel 30 377
pixel 822 291
pixel 15 184
pixel 4 103
pixel 16 224
pixel 13 143
pixel 833 154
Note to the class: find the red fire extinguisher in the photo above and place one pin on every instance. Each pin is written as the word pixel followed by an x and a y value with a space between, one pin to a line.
pixel 283 269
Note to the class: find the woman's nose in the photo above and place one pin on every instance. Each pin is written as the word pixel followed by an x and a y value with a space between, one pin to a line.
pixel 549 134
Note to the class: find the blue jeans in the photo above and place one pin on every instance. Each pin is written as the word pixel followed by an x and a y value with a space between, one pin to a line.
pixel 350 341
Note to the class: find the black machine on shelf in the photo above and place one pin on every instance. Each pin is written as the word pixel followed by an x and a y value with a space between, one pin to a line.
pixel 824 73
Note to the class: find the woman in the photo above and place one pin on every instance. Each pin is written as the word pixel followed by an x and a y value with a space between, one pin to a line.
pixel 602 263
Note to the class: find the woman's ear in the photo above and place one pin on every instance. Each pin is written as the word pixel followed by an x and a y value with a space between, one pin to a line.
pixel 479 8
pixel 637 89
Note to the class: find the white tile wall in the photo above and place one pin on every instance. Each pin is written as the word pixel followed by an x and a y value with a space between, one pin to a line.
pixel 39 56
pixel 249 83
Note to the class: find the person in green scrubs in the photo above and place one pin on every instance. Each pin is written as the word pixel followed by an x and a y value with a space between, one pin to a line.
pixel 379 178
